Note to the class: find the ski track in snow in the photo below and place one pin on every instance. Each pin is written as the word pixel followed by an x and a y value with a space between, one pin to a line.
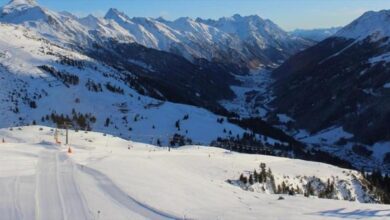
pixel 123 198
pixel 9 193
pixel 57 194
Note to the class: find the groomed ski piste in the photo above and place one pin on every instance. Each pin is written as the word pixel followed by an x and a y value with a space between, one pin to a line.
pixel 105 177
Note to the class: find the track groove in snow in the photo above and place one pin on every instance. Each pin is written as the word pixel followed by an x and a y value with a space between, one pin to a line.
pixel 118 195
pixel 8 192
pixel 57 191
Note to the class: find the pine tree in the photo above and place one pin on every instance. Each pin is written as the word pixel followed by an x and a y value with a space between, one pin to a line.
pixel 177 124
pixel 251 179
pixel 263 173
pixel 243 179
pixel 107 122
pixel 256 176
pixel 284 187
pixel 279 190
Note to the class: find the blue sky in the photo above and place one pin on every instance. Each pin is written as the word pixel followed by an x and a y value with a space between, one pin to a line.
pixel 289 14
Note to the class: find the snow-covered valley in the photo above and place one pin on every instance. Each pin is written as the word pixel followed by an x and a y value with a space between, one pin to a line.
pixel 191 118
pixel 106 177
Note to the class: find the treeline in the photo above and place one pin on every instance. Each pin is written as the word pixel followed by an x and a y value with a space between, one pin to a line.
pixel 65 77
pixel 381 182
pixel 64 60
pixel 93 86
pixel 249 143
pixel 259 126
pixel 178 140
pixel 76 120
pixel 114 89
pixel 289 148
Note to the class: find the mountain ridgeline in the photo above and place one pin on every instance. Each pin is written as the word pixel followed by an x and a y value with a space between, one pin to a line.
pixel 342 81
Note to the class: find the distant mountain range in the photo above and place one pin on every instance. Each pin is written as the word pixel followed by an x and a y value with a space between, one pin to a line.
pixel 316 35
pixel 248 41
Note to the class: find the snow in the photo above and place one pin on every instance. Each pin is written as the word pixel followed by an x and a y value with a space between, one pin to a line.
pixel 261 32
pixel 301 134
pixel 329 136
pixel 382 58
pixel 380 149
pixel 110 178
pixel 19 5
pixel 253 87
pixel 284 118
pixel 337 53
pixel 62 28
pixel 372 23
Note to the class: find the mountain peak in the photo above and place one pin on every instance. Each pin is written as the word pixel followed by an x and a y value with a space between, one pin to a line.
pixel 184 20
pixel 16 9
pixel 370 23
pixel 237 16
pixel 114 14
pixel 22 2
pixel 18 5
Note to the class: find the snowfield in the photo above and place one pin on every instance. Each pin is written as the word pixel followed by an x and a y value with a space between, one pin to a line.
pixel 110 178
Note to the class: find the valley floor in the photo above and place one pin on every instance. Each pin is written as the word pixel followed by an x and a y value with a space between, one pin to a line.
pixel 110 178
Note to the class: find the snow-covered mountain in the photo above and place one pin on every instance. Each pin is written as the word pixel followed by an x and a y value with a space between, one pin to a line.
pixel 250 39
pixel 342 84
pixel 183 36
pixel 371 23
pixel 192 39
pixel 315 35
pixel 63 28
pixel 106 177
pixel 262 37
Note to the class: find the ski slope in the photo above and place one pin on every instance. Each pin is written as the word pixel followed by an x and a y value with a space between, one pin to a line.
pixel 110 178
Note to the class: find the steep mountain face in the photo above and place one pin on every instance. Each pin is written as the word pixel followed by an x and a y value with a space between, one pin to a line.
pixel 183 37
pixel 315 35
pixel 170 77
pixel 264 39
pixel 342 81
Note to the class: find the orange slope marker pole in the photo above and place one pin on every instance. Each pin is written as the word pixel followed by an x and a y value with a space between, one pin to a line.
pixel 70 151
